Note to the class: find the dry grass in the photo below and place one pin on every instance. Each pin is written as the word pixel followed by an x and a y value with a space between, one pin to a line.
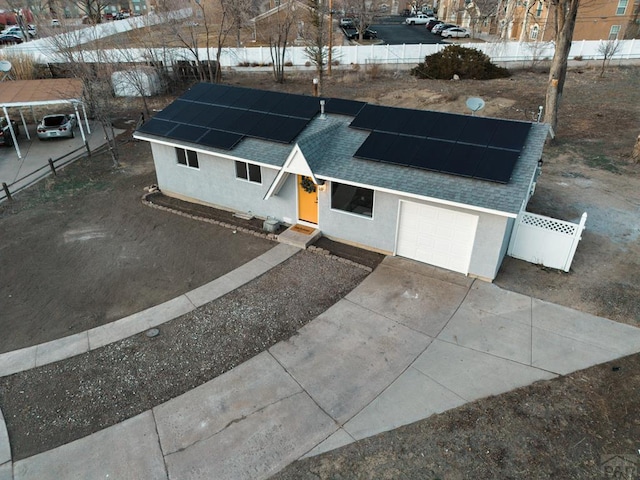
pixel 23 67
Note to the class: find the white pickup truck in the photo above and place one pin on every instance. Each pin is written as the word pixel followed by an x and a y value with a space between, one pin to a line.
pixel 419 19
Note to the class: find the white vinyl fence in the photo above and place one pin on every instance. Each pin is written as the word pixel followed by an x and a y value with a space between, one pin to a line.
pixel 545 241
pixel 44 51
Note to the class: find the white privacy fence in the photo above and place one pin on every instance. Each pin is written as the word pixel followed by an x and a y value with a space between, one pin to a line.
pixel 545 241
pixel 501 52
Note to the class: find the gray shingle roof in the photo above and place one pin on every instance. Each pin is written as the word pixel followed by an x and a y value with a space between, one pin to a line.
pixel 328 144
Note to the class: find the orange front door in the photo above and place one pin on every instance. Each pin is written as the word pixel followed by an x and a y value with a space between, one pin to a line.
pixel 307 201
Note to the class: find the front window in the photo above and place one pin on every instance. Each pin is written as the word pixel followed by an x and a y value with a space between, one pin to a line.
pixel 622 7
pixel 187 157
pixel 613 33
pixel 539 10
pixel 352 199
pixel 249 172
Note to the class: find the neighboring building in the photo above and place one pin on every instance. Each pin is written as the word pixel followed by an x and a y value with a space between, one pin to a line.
pixel 532 20
pixel 440 188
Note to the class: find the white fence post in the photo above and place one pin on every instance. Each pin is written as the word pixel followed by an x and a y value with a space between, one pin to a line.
pixel 574 245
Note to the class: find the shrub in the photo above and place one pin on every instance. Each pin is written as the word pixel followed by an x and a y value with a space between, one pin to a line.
pixel 467 63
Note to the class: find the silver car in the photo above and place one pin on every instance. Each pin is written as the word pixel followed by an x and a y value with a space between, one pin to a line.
pixel 56 126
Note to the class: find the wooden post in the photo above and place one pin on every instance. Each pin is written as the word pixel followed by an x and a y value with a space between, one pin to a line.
pixel 86 144
pixel 53 168
pixel 5 187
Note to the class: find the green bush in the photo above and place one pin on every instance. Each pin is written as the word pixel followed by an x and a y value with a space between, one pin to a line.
pixel 467 63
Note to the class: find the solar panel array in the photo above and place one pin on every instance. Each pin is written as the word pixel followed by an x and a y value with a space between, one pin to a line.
pixel 220 116
pixel 465 145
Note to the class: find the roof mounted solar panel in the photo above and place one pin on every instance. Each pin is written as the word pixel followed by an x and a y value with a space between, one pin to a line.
pixel 375 146
pixel 432 154
pixel 173 110
pixel 267 128
pixel 248 99
pixel 391 120
pixel 448 127
pixel 367 118
pixel 462 160
pixel 420 122
pixel 157 126
pixel 478 131
pixel 196 114
pixel 202 90
pixel 496 165
pixel 245 122
pixel 297 106
pixel 227 119
pixel 341 106
pixel 219 139
pixel 510 135
pixel 187 133
pixel 403 150
pixel 289 129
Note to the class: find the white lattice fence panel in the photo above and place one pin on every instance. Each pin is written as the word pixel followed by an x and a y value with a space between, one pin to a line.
pixel 550 224
pixel 545 240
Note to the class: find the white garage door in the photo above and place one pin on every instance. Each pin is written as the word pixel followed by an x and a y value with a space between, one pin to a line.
pixel 436 236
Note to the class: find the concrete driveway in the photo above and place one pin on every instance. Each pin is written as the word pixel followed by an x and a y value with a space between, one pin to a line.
pixel 410 341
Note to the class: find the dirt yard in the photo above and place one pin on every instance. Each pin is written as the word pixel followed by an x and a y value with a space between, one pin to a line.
pixel 81 250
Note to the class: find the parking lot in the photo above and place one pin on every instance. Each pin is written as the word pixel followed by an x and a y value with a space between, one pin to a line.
pixel 392 30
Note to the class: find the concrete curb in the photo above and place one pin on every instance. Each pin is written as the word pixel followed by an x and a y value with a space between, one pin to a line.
pixel 5 451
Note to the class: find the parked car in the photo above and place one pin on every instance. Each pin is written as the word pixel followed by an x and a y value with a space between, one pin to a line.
pixel 419 19
pixel 17 31
pixel 10 39
pixel 455 32
pixel 352 34
pixel 55 22
pixel 442 26
pixel 58 125
pixel 5 133
pixel 433 23
pixel 347 22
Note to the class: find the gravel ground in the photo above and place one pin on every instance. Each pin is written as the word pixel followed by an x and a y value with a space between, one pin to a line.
pixel 111 384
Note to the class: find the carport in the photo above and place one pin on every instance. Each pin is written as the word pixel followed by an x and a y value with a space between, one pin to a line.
pixel 34 93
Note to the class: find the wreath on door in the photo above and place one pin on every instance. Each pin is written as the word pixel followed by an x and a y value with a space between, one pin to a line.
pixel 307 185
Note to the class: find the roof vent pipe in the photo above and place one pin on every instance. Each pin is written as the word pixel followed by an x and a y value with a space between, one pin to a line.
pixel 322 115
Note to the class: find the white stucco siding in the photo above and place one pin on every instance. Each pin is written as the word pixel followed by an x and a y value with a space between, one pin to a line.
pixel 377 232
pixel 215 183
pixel 489 247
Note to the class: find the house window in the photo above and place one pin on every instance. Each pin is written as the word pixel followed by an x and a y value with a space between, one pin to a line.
pixel 613 33
pixel 352 199
pixel 187 157
pixel 539 10
pixel 622 7
pixel 534 32
pixel 249 172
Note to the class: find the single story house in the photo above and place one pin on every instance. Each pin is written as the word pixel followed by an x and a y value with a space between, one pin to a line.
pixel 440 188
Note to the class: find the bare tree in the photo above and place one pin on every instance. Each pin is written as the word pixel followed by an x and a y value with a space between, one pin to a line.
pixel 93 9
pixel 362 12
pixel 564 12
pixel 94 68
pixel 607 49
pixel 277 30
pixel 240 11
pixel 316 38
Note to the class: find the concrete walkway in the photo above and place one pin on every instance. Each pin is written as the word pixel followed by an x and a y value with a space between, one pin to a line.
pixel 410 341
